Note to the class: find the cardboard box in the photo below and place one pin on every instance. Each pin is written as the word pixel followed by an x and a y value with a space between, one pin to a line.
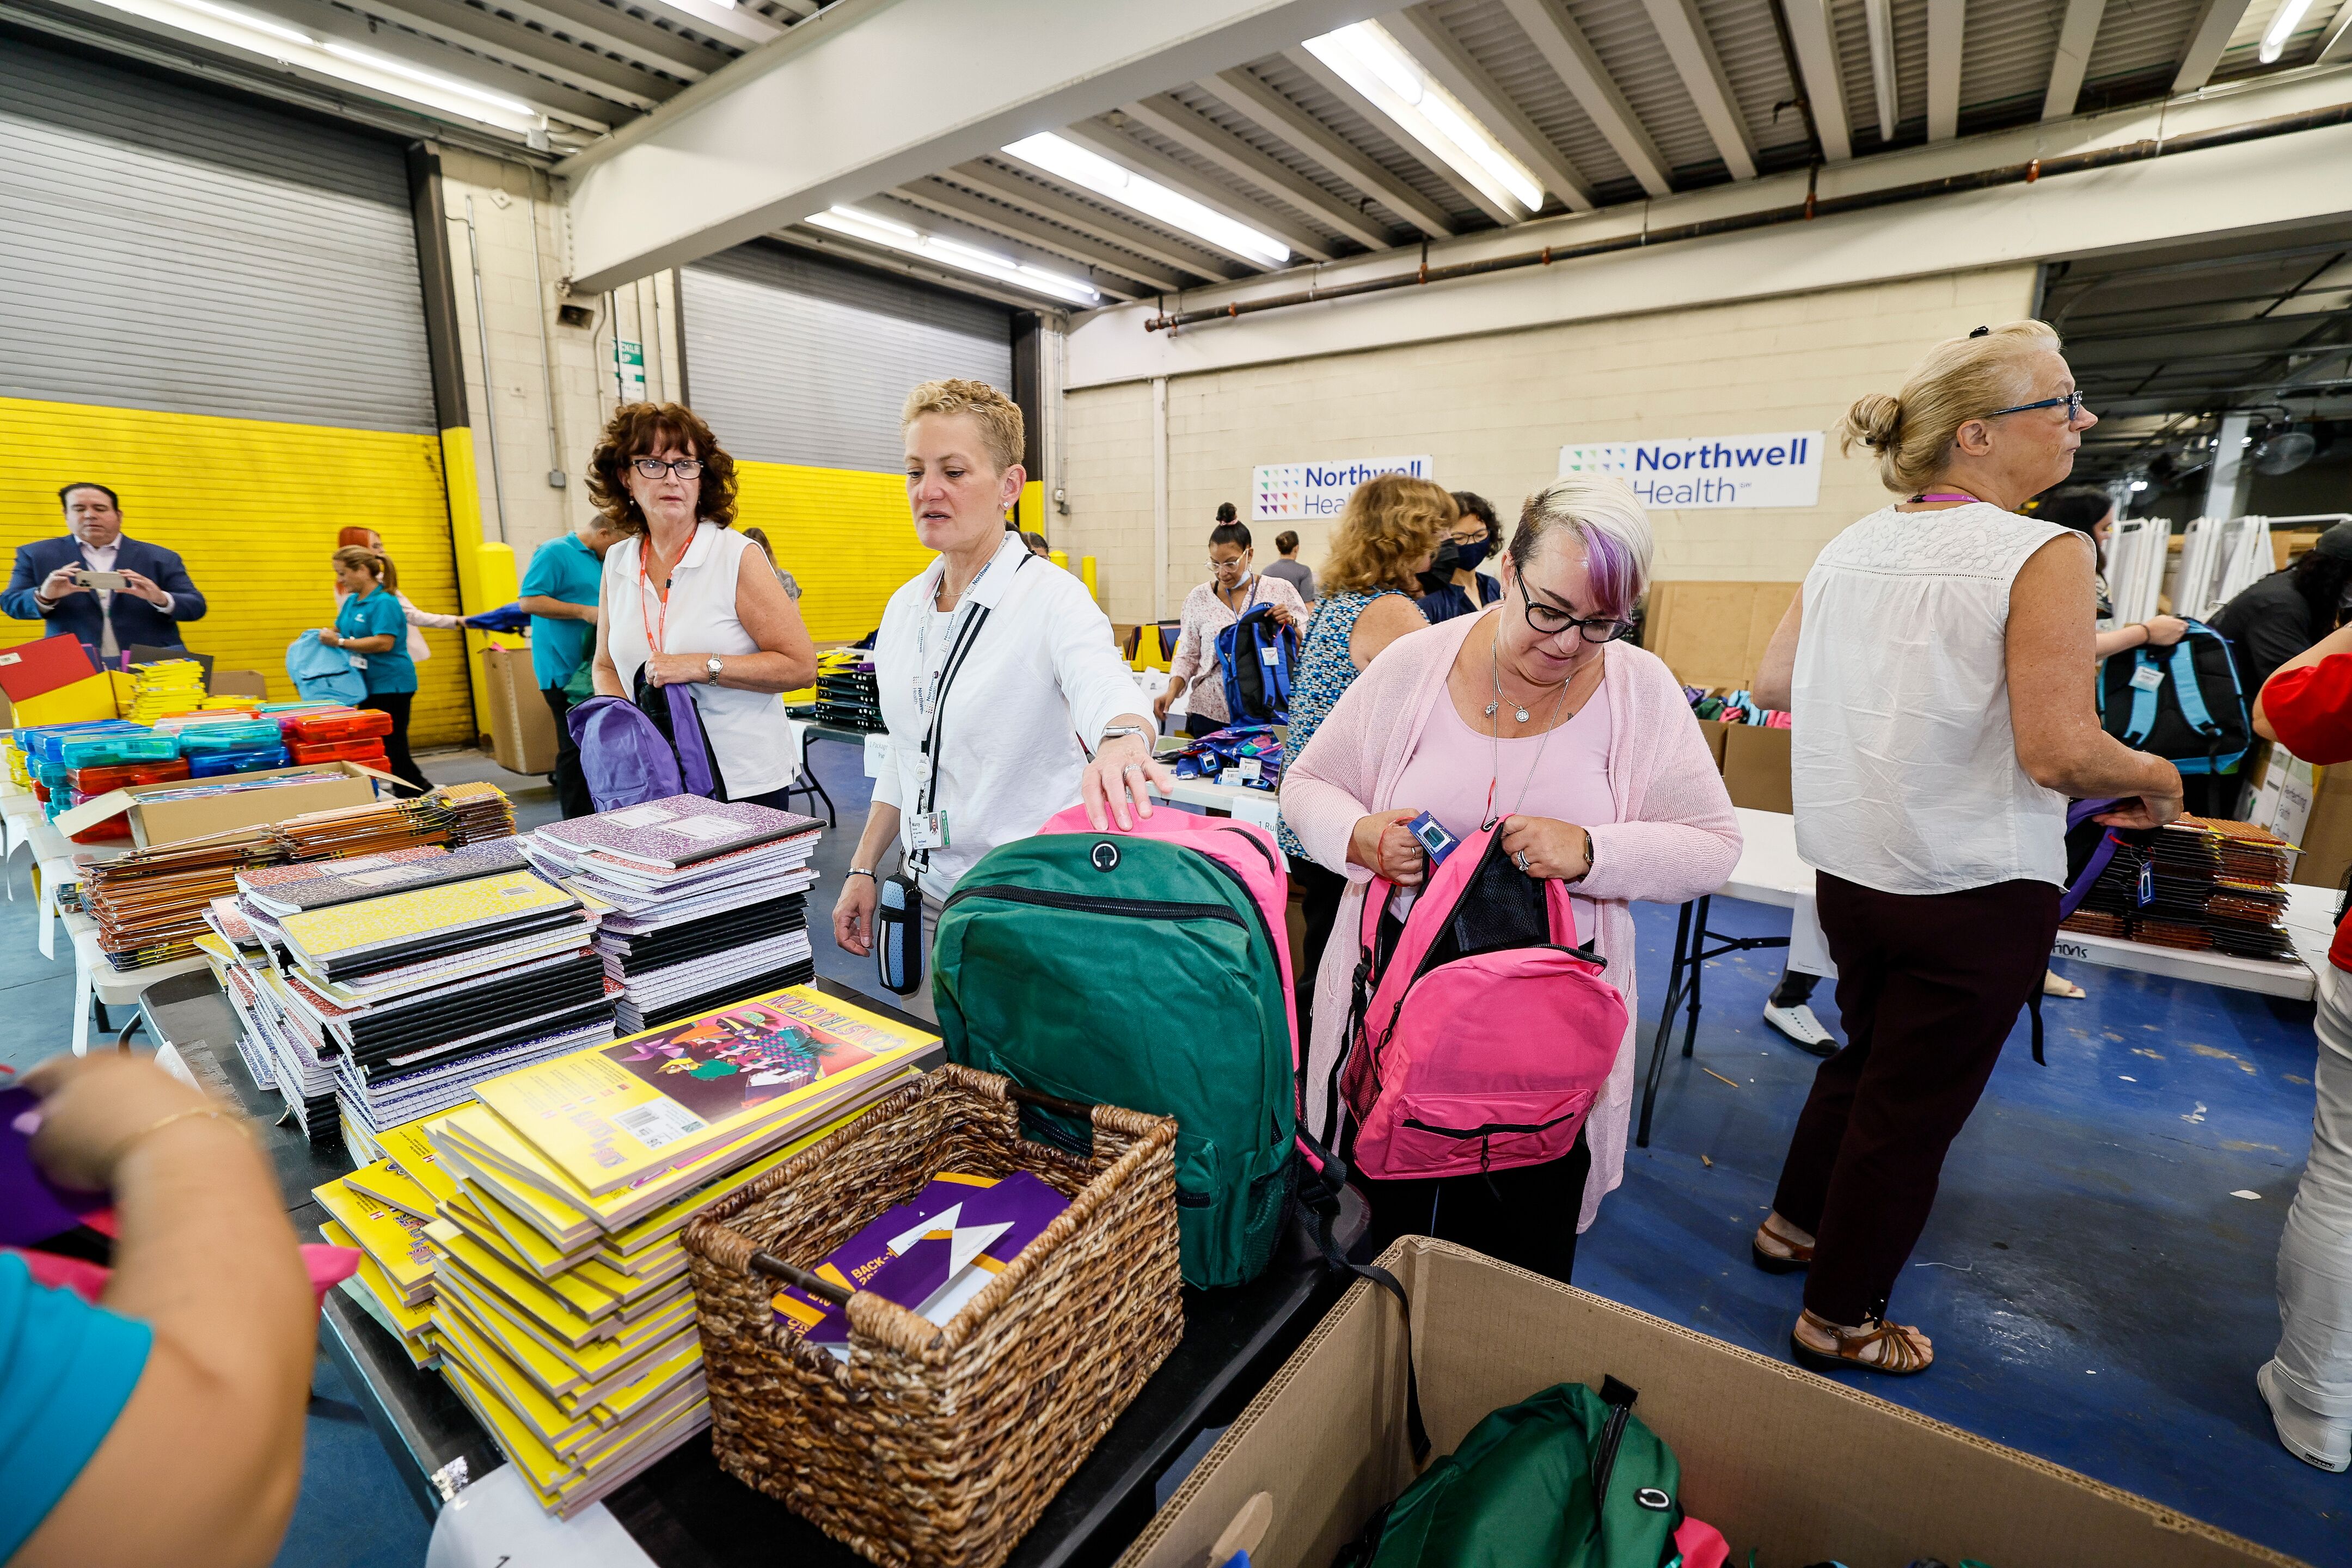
pixel 1756 767
pixel 523 729
pixel 1794 1467
pixel 2327 832
pixel 1714 634
pixel 1718 733
pixel 174 821
pixel 239 683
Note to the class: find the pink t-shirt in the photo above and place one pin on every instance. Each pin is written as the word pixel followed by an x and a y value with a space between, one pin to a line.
pixel 1451 765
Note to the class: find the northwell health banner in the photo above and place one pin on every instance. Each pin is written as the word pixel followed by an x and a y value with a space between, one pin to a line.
pixel 1296 492
pixel 1782 470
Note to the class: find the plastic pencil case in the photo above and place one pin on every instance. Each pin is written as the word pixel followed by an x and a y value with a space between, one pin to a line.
pixel 212 764
pixel 320 729
pixel 110 750
pixel 200 739
pixel 41 743
pixel 369 750
pixel 97 781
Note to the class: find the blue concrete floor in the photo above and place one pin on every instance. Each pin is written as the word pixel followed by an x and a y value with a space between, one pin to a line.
pixel 2097 1296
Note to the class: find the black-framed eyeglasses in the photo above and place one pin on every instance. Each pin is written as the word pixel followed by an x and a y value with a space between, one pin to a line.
pixel 2072 403
pixel 1549 621
pixel 655 468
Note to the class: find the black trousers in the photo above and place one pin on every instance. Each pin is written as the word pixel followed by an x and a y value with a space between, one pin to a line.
pixel 1525 1216
pixel 1928 987
pixel 570 785
pixel 395 745
pixel 1320 892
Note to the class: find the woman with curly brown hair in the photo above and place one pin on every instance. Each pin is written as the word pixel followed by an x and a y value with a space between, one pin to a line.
pixel 1385 540
pixel 677 609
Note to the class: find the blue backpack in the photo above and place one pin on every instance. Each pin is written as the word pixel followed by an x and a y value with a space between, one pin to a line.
pixel 323 674
pixel 1256 653
pixel 627 759
pixel 2180 702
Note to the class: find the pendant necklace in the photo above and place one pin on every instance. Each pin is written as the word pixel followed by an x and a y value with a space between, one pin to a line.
pixel 1517 710
pixel 1494 737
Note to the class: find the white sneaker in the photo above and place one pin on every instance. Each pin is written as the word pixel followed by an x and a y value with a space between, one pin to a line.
pixel 1803 1028
pixel 2314 1440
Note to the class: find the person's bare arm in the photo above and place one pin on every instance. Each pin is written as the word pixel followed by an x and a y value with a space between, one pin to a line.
pixel 379 643
pixel 2335 642
pixel 787 652
pixel 853 911
pixel 603 673
pixel 1775 673
pixel 2060 745
pixel 555 609
pixel 1383 621
pixel 203 1465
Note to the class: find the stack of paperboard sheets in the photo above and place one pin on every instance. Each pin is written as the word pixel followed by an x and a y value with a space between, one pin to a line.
pixel 710 900
pixel 149 904
pixel 2198 884
pixel 561 1310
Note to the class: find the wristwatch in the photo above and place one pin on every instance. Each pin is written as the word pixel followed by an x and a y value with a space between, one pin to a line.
pixel 1120 731
pixel 716 669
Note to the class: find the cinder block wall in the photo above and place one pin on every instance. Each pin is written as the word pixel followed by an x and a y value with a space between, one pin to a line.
pixel 1494 412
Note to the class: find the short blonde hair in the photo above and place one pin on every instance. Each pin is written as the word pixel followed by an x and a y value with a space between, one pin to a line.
pixel 1001 429
pixel 360 555
pixel 1602 511
pixel 1391 522
pixel 1962 379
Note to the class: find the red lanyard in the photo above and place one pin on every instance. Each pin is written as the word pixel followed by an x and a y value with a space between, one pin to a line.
pixel 645 576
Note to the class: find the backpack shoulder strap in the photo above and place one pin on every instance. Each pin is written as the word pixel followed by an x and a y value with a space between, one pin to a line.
pixel 2143 707
pixel 2185 688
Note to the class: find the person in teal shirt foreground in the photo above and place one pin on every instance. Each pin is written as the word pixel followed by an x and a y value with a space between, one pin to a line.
pixel 373 629
pixel 163 1424
pixel 560 592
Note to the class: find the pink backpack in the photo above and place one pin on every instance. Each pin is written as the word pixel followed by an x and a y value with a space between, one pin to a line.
pixel 1480 1032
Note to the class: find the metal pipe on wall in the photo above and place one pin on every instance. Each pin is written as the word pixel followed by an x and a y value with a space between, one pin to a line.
pixel 489 389
pixel 1158 498
pixel 555 477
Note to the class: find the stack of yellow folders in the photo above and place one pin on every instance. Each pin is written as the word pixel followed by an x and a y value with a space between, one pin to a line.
pixel 561 1308
pixel 381 1213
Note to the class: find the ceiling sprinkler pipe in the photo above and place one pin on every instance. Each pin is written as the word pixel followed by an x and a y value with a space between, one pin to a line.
pixel 2029 172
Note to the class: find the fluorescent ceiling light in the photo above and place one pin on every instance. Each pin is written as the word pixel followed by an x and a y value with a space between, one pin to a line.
pixel 2282 25
pixel 1066 160
pixel 892 235
pixel 276 40
pixel 1377 65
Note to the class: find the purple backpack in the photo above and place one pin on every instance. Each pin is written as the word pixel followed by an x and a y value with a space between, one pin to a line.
pixel 2089 847
pixel 627 760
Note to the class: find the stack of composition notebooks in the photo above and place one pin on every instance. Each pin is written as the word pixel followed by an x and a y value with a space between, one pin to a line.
pixel 2199 884
pixel 562 1311
pixel 454 814
pixel 710 900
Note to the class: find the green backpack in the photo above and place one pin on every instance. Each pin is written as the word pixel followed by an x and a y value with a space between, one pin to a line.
pixel 1519 1493
pixel 1145 969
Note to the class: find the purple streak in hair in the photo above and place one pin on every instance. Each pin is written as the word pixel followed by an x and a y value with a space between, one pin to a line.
pixel 1609 569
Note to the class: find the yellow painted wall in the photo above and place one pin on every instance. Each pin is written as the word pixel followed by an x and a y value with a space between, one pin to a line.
pixel 253 508
pixel 843 534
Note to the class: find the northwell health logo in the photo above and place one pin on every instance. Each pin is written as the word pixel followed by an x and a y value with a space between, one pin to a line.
pixel 1775 471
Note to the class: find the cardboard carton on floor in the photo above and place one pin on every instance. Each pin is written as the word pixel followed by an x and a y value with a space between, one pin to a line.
pixel 522 726
pixel 1756 767
pixel 154 822
pixel 1797 1467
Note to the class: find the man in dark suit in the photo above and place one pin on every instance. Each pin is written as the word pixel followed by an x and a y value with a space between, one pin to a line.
pixel 154 598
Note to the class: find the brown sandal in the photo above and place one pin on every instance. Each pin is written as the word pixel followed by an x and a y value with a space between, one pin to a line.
pixel 1797 1257
pixel 1902 1357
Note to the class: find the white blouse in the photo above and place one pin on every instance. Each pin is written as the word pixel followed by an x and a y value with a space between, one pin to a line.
pixel 1903 756
pixel 1041 674
pixel 749 733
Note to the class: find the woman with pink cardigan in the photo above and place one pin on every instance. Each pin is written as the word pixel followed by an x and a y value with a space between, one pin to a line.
pixel 1533 713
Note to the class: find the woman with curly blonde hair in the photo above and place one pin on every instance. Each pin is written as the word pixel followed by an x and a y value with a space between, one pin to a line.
pixel 1383 541
pixel 677 609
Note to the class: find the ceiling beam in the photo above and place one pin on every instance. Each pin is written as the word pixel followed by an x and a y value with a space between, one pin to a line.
pixel 1320 143
pixel 2338 44
pixel 1684 33
pixel 2076 36
pixel 1878 21
pixel 1137 159
pixel 1426 39
pixel 1946 33
pixel 1343 89
pixel 935 217
pixel 1036 231
pixel 888 260
pixel 1814 43
pixel 2207 36
pixel 1571 57
pixel 739 24
pixel 800 123
pixel 620 33
pixel 455 23
pixel 1164 116
pixel 1111 229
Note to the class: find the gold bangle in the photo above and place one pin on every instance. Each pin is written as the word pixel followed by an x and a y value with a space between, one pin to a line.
pixel 229 1117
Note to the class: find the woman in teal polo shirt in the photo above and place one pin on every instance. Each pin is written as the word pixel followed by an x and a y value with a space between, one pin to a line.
pixel 373 629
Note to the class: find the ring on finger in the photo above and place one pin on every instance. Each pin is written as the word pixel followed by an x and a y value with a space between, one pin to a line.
pixel 1521 857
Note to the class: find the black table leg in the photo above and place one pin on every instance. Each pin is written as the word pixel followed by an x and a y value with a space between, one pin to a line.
pixel 1697 973
pixel 1683 946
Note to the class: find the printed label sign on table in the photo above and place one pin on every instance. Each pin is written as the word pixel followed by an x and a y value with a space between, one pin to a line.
pixel 1698 471
pixel 1297 492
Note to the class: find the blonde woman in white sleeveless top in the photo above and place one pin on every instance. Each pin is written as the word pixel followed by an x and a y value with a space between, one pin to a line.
pixel 677 606
pixel 1937 668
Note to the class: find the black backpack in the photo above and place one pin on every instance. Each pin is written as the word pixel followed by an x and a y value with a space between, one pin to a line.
pixel 2181 703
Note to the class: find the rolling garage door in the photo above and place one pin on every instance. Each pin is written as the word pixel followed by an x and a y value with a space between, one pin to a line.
pixel 214 307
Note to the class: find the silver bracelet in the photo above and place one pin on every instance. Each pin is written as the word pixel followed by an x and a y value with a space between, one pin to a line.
pixel 861 871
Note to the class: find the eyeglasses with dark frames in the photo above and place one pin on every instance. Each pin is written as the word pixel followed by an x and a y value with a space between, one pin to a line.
pixel 2072 403
pixel 1549 621
pixel 655 468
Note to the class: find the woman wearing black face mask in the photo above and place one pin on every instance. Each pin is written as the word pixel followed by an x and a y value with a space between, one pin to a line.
pixel 1454 585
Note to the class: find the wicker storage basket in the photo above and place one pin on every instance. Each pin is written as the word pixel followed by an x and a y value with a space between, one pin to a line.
pixel 940 1446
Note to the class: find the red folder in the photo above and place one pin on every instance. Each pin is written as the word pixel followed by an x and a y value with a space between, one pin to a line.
pixel 36 669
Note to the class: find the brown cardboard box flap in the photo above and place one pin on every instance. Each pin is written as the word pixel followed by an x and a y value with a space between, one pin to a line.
pixel 209 817
pixel 1793 1466
pixel 1756 761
